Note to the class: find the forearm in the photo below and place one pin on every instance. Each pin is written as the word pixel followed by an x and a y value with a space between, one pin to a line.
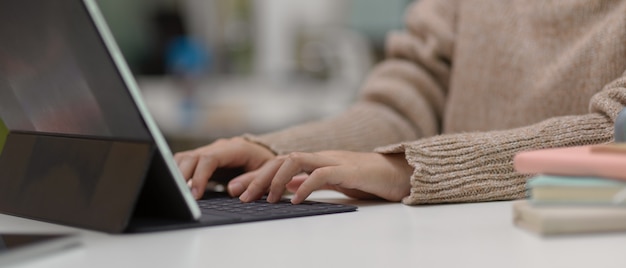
pixel 472 167
pixel 361 128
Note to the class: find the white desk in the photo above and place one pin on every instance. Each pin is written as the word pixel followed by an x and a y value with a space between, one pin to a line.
pixel 377 235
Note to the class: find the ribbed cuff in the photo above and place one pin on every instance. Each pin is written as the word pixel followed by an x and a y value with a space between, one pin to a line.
pixel 474 167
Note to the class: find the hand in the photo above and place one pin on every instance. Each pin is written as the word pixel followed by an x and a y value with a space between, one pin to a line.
pixel 198 165
pixel 358 175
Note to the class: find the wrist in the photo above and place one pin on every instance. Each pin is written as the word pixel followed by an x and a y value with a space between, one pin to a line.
pixel 401 175
pixel 258 145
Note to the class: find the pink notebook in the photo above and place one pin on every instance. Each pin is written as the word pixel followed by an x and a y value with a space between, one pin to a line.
pixel 607 161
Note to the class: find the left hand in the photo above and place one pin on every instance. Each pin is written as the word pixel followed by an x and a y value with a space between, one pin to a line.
pixel 358 175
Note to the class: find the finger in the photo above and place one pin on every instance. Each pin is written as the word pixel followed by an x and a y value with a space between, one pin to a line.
pixel 295 182
pixel 240 183
pixel 205 167
pixel 180 155
pixel 239 153
pixel 258 187
pixel 199 165
pixel 289 168
pixel 294 164
pixel 187 165
pixel 319 179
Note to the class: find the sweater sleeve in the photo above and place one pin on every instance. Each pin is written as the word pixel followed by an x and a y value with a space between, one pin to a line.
pixel 402 98
pixel 471 167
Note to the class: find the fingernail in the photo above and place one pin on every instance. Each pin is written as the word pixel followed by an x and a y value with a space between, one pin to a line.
pixel 235 188
pixel 244 196
pixel 295 198
pixel 194 192
pixel 271 197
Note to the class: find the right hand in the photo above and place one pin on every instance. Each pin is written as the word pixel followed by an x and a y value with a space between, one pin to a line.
pixel 199 164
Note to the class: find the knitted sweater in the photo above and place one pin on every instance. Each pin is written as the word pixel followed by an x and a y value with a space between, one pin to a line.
pixel 469 83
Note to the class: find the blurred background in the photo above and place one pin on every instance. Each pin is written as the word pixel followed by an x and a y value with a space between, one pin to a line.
pixel 218 68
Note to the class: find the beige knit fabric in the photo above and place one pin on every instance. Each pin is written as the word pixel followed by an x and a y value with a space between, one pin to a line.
pixel 469 83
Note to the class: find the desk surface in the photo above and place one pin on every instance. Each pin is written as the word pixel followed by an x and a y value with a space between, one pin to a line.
pixel 377 235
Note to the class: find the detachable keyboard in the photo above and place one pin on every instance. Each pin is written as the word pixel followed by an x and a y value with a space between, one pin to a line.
pixel 219 209
pixel 262 210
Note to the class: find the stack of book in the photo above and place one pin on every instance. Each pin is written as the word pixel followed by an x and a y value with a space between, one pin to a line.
pixel 575 190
